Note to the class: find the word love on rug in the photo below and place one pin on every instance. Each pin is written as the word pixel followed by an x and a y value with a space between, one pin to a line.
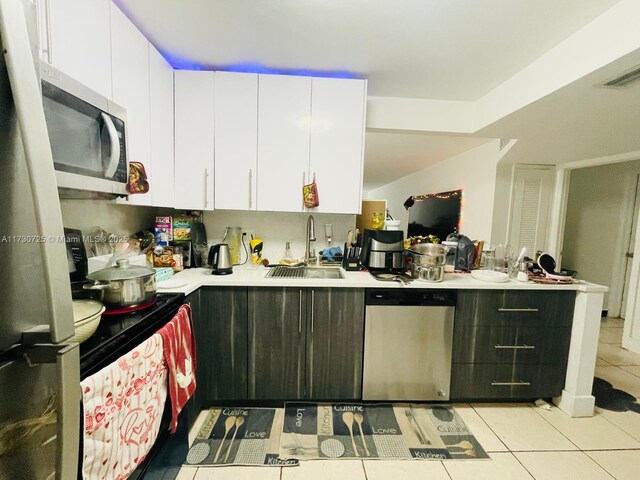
pixel 376 431
pixel 239 436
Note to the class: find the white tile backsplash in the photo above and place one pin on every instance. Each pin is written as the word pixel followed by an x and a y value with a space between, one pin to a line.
pixel 276 228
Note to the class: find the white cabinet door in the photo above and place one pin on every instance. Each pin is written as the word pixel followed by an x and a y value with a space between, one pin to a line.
pixel 194 130
pixel 130 74
pixel 284 109
pixel 337 143
pixel 75 38
pixel 161 122
pixel 236 140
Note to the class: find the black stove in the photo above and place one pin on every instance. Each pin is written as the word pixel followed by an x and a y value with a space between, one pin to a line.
pixel 118 334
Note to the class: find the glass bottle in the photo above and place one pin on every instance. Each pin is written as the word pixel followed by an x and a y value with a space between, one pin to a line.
pixel 287 251
pixel 377 221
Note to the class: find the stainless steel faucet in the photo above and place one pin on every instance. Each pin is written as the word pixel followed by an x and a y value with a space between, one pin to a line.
pixel 311 237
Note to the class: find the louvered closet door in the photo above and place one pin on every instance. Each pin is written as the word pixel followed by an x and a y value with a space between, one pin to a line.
pixel 530 200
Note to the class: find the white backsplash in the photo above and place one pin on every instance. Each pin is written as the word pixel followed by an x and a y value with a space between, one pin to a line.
pixel 112 217
pixel 276 228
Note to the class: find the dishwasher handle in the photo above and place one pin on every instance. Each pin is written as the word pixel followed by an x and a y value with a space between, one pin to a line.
pixel 411 297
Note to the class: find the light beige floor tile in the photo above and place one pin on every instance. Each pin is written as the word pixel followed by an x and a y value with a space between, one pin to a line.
pixel 325 469
pixel 619 378
pixel 634 369
pixel 611 335
pixel 621 464
pixel 489 441
pixel 626 421
pixel 502 466
pixel 616 355
pixel 612 322
pixel 561 466
pixel 187 473
pixel 405 470
pixel 589 433
pixel 239 473
pixel 519 427
pixel 197 425
pixel 600 361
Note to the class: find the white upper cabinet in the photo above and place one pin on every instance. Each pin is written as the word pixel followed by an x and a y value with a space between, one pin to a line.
pixel 236 140
pixel 130 75
pixel 284 110
pixel 161 124
pixel 194 130
pixel 75 38
pixel 337 143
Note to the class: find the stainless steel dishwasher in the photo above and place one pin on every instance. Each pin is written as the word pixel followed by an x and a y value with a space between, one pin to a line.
pixel 408 337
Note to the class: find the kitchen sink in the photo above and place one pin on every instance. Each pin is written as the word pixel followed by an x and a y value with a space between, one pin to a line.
pixel 283 271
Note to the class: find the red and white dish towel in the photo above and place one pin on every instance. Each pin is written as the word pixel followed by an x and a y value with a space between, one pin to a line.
pixel 180 355
pixel 123 405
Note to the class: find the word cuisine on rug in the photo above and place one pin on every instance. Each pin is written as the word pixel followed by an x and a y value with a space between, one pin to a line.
pixel 239 436
pixel 376 431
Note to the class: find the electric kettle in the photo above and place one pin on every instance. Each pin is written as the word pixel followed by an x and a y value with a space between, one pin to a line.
pixel 220 259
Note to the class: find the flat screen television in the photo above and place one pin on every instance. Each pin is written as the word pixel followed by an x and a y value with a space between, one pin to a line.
pixel 435 214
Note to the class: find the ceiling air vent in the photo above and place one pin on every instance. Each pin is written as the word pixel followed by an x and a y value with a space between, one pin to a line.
pixel 624 79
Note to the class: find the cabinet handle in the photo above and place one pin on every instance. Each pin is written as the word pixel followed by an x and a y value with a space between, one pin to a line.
pixel 515 347
pixel 313 295
pixel 510 384
pixel 250 188
pixel 300 313
pixel 206 187
pixel 529 310
pixel 47 18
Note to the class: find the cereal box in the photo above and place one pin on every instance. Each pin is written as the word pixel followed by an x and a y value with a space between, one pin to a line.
pixel 182 228
pixel 164 230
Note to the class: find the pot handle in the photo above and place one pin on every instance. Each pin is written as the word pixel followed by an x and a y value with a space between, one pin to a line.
pixel 96 286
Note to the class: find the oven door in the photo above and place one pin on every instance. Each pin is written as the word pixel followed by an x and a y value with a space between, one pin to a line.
pixel 87 142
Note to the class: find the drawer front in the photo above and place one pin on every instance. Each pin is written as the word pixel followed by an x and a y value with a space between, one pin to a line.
pixel 528 345
pixel 487 381
pixel 545 308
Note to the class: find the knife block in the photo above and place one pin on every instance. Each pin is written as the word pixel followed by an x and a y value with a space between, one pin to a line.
pixel 351 259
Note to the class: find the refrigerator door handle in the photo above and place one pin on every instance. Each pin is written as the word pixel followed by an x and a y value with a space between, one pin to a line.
pixel 68 397
pixel 33 128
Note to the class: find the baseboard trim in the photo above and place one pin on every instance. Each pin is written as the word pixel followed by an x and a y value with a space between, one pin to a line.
pixel 582 406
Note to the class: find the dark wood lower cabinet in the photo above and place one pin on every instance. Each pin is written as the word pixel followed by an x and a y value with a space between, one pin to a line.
pixel 305 343
pixel 486 381
pixel 335 343
pixel 221 337
pixel 510 344
pixel 276 343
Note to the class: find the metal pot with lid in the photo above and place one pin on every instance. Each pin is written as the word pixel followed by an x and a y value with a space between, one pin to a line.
pixel 124 285
pixel 427 261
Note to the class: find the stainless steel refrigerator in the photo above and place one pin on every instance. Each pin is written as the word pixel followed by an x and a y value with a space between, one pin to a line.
pixel 39 373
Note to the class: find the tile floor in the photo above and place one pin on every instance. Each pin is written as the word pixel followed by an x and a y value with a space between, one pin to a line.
pixel 524 442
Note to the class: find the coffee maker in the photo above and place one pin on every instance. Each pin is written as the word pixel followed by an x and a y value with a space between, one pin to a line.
pixel 382 250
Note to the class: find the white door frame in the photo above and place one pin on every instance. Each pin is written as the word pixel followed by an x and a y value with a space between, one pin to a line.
pixel 631 334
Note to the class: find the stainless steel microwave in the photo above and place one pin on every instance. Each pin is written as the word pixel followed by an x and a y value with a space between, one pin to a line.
pixel 87 135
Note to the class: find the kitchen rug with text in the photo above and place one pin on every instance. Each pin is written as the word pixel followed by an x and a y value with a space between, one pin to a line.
pixel 239 436
pixel 376 431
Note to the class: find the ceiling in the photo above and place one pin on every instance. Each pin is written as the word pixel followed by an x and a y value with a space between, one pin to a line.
pixel 427 49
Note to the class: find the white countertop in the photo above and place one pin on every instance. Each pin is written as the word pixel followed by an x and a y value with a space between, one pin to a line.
pixel 254 276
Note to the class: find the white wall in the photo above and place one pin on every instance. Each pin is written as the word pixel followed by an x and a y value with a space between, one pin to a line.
pixel 114 218
pixel 595 221
pixel 277 228
pixel 473 171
